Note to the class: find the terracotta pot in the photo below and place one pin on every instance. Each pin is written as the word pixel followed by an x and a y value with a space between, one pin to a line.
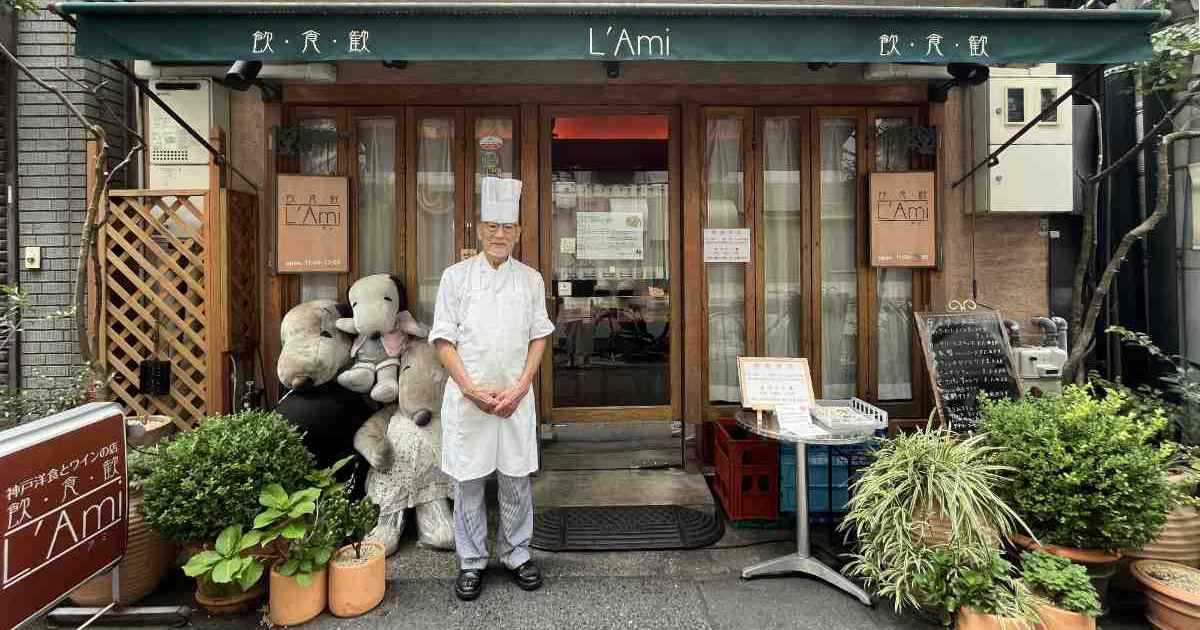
pixel 1179 540
pixel 970 620
pixel 292 603
pixel 1054 618
pixel 356 586
pixel 158 429
pixel 1168 607
pixel 232 605
pixel 1101 565
pixel 148 557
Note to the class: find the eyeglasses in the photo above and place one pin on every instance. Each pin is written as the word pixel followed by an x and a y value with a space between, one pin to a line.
pixel 507 228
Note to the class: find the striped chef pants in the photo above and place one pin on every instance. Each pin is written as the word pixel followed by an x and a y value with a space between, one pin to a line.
pixel 470 521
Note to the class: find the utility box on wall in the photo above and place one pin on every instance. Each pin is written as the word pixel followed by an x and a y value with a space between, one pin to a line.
pixel 177 160
pixel 1035 174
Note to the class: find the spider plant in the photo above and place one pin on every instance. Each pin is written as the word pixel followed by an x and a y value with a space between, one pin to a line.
pixel 925 491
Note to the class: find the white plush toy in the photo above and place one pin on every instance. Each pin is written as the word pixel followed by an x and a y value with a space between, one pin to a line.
pixel 412 427
pixel 383 327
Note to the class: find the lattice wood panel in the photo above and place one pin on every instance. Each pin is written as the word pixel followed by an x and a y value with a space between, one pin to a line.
pixel 152 288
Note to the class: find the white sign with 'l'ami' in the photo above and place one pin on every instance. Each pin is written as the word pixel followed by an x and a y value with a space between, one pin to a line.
pixel 621 43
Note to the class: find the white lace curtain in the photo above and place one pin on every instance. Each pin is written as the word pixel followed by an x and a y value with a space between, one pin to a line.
pixel 725 178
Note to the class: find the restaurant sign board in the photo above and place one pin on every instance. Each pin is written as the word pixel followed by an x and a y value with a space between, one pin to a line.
pixel 65 498
pixel 312 232
pixel 903 220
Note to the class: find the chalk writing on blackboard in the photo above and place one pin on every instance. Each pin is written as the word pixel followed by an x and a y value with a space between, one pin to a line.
pixel 967 353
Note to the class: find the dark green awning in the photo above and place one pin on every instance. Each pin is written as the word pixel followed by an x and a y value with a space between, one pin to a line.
pixel 517 31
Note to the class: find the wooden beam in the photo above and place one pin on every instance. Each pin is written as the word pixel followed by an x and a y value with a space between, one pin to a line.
pixel 216 387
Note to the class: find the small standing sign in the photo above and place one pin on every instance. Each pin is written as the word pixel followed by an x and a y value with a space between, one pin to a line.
pixel 770 383
pixel 313 230
pixel 903 224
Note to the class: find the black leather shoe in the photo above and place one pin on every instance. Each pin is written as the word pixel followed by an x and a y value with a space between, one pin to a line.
pixel 527 576
pixel 469 584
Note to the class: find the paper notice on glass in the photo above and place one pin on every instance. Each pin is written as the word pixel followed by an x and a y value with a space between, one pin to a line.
pixel 771 383
pixel 609 235
pixel 797 421
pixel 575 309
pixel 727 245
pixel 635 205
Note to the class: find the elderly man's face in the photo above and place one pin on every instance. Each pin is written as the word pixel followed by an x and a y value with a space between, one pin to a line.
pixel 499 239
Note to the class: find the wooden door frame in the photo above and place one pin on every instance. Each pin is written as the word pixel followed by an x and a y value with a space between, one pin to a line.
pixel 674 410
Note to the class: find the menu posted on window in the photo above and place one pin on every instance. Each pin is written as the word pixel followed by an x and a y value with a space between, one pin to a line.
pixel 65 507
pixel 312 232
pixel 903 223
pixel 967 354
pixel 770 383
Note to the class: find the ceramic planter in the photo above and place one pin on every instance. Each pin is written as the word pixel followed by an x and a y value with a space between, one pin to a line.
pixel 236 604
pixel 1100 565
pixel 356 585
pixel 970 620
pixel 293 603
pixel 1054 618
pixel 158 429
pixel 148 557
pixel 1179 540
pixel 1169 606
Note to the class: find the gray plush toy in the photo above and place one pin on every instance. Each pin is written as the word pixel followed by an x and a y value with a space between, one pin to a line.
pixel 413 429
pixel 383 325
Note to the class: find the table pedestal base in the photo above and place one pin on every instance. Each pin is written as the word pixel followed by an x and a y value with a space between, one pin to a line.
pixel 796 563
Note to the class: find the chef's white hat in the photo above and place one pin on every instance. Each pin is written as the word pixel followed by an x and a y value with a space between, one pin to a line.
pixel 501 200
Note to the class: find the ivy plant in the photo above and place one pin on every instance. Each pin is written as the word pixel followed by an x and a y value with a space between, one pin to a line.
pixel 1063 583
pixel 1082 471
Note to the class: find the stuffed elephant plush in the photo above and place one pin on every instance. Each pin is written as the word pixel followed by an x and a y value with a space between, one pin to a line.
pixel 413 429
pixel 383 326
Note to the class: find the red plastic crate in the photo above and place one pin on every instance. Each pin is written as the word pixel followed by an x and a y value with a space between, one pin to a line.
pixel 747 466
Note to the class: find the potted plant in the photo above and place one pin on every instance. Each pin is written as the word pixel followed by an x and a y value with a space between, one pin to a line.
pixel 925 490
pixel 1063 594
pixel 1083 473
pixel 357 572
pixel 210 478
pixel 974 592
pixel 230 574
pixel 148 556
pixel 302 530
pixel 1179 540
pixel 149 429
pixel 1172 593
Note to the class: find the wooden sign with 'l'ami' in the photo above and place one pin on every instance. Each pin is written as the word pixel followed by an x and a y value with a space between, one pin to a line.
pixel 313 231
pixel 903 220
pixel 65 499
pixel 967 353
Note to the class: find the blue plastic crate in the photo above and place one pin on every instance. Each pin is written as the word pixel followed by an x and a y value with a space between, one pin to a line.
pixel 820 469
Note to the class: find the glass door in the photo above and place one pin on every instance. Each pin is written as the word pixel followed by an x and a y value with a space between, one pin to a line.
pixel 608 245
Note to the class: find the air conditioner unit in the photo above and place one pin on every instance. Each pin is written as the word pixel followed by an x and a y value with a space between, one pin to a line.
pixel 177 160
pixel 1035 174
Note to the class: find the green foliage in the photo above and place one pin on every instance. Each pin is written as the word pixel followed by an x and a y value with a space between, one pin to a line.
pixel 211 477
pixel 1061 582
pixel 18 406
pixel 18 6
pixel 1181 386
pixel 915 477
pixel 951 580
pixel 227 568
pixel 1084 472
pixel 1170 66
pixel 362 518
pixel 311 522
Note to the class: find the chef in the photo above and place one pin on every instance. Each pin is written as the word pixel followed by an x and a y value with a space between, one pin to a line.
pixel 490 328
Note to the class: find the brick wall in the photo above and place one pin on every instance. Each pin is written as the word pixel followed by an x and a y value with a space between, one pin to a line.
pixel 51 182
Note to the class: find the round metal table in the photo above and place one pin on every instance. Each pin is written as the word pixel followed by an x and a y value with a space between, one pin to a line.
pixel 802 560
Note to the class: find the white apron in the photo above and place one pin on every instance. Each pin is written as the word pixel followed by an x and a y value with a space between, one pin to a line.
pixel 493 343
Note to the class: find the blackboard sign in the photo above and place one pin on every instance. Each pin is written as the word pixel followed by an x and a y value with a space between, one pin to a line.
pixel 967 353
pixel 64 507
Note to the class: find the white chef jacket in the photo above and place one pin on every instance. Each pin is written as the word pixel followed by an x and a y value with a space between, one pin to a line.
pixel 490 315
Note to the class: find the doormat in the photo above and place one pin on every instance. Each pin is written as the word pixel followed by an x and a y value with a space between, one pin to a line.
pixel 625 528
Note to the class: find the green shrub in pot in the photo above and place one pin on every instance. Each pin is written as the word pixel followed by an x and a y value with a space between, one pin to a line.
pixel 211 477
pixel 951 580
pixel 1060 582
pixel 1083 472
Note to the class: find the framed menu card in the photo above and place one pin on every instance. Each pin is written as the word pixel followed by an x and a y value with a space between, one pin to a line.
pixel 768 383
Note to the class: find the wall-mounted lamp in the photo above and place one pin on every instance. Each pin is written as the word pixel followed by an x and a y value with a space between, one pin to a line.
pixel 242 74
pixel 612 69
pixel 395 64
pixel 965 75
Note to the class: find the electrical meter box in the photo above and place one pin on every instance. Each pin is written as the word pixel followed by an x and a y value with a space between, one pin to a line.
pixel 1041 367
pixel 1035 174
pixel 177 160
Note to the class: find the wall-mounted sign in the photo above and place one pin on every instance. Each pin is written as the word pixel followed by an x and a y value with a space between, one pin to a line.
pixel 313 234
pixel 727 245
pixel 769 383
pixel 967 353
pixel 903 223
pixel 65 502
